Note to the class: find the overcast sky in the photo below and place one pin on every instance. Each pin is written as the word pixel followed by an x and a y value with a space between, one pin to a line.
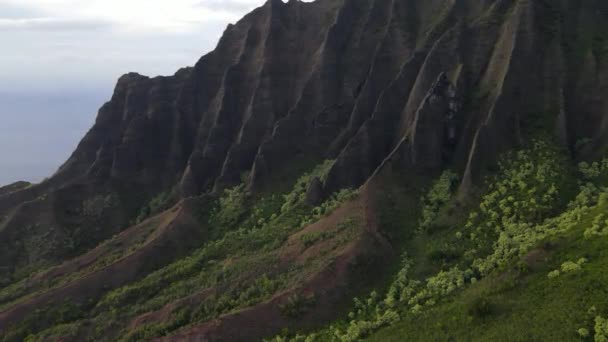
pixel 60 59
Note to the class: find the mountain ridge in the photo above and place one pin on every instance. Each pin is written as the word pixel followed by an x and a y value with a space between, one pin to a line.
pixel 380 87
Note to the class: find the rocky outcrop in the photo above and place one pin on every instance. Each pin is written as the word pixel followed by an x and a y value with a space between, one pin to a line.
pixel 435 83
pixel 314 193
pixel 14 187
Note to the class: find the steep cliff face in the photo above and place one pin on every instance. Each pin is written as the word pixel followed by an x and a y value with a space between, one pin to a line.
pixel 428 84
pixel 295 78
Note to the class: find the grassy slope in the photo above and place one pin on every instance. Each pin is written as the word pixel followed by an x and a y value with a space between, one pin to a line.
pixel 518 301
pixel 485 277
pixel 243 262
pixel 521 305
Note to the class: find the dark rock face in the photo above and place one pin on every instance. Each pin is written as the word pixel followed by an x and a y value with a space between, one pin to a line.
pixel 314 193
pixel 434 83
pixel 13 187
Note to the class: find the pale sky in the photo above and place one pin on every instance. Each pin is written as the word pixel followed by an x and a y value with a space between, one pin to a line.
pixel 95 41
pixel 60 59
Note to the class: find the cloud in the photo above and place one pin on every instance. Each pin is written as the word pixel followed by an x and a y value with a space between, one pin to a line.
pixel 230 6
pixel 126 15
pixel 8 11
pixel 54 24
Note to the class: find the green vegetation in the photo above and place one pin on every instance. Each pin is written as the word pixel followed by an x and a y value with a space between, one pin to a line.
pixel 601 329
pixel 231 208
pixel 440 194
pixel 312 238
pixel 297 305
pixel 240 260
pixel 531 248
pixel 60 317
pixel 298 194
pixel 24 289
pixel 260 289
pixel 481 260
pixel 157 204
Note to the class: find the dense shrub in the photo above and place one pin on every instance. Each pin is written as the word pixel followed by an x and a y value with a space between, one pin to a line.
pixel 297 305
pixel 591 171
pixel 480 307
pixel 439 194
pixel 231 206
pixel 599 227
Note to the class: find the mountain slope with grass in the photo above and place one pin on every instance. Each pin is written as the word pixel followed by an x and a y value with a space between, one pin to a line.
pixel 335 170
